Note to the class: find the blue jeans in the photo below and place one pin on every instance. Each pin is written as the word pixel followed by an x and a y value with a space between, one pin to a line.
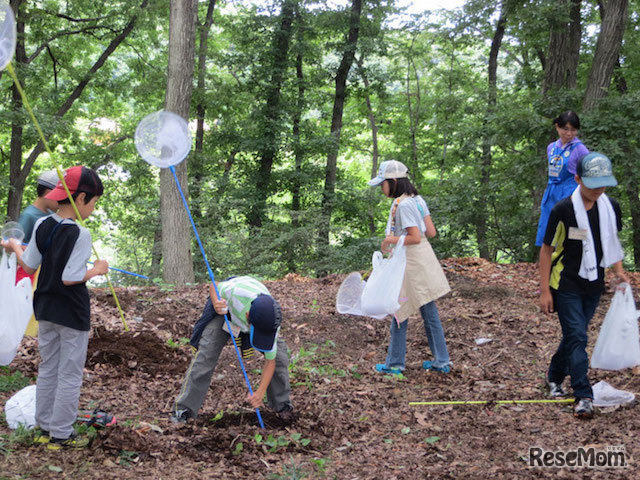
pixel 574 312
pixel 435 336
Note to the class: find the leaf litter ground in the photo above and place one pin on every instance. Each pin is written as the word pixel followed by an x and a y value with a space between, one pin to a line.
pixel 352 423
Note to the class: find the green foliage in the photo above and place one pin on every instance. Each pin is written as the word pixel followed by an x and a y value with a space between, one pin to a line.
pixel 426 84
pixel 175 344
pixel 10 381
pixel 273 444
pixel 127 457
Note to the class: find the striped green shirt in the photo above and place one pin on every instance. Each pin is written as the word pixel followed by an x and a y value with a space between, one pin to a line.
pixel 239 292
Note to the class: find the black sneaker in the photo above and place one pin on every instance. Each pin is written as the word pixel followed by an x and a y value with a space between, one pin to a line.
pixel 555 389
pixel 181 416
pixel 74 441
pixel 583 408
pixel 287 415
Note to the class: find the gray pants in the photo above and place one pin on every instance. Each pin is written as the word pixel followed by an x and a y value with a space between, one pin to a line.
pixel 198 376
pixel 63 352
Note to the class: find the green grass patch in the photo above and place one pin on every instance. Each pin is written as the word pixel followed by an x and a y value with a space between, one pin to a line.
pixel 10 381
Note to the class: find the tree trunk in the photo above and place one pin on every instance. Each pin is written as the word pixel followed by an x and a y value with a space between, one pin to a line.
pixel 336 122
pixel 374 142
pixel 614 15
pixel 482 215
pixel 632 189
pixel 414 112
pixel 297 146
pixel 19 173
pixel 14 202
pixel 197 160
pixel 561 64
pixel 272 128
pixel 176 230
pixel 372 118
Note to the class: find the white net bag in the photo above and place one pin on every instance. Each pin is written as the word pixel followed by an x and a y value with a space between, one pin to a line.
pixel 163 139
pixel 7 34
pixel 604 395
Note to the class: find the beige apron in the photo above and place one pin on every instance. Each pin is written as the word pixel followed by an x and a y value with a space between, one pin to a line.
pixel 424 279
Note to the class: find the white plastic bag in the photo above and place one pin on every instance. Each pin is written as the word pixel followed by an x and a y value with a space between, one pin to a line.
pixel 16 308
pixel 349 298
pixel 21 408
pixel 604 395
pixel 618 344
pixel 382 290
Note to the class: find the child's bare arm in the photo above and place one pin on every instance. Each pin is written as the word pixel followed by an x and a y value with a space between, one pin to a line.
pixel 267 374
pixel 14 246
pixel 430 231
pixel 546 300
pixel 100 267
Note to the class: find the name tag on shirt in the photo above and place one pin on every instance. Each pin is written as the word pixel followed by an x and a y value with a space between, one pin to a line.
pixel 577 234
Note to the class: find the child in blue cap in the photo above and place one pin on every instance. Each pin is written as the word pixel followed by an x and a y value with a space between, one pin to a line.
pixel 581 240
pixel 255 317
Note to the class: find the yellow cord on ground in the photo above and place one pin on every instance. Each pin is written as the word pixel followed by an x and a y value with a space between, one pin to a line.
pixel 25 101
pixel 482 402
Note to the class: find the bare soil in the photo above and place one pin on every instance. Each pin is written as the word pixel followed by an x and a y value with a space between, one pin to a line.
pixel 352 423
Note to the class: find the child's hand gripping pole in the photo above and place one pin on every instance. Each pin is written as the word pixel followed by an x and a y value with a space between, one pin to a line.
pixel 27 105
pixel 204 256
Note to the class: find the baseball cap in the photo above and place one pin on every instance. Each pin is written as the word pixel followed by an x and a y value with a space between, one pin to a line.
pixel 595 171
pixel 265 317
pixel 48 179
pixel 389 169
pixel 78 179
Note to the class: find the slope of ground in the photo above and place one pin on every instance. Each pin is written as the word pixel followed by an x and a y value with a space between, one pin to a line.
pixel 352 423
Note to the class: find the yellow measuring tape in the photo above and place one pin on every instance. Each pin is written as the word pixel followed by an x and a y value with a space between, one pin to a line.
pixel 61 176
pixel 482 402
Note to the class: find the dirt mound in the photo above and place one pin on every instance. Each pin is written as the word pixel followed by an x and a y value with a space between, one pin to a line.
pixel 142 351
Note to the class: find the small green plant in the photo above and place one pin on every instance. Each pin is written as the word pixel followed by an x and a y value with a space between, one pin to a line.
pixel 290 471
pixel 181 342
pixel 321 465
pixel 273 444
pixel 315 308
pixel 218 416
pixel 238 449
pixel 10 381
pixel 127 457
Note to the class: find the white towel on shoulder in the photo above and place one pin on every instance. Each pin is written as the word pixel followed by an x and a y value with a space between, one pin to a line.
pixel 611 249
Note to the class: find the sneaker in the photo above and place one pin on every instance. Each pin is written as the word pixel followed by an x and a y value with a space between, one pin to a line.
pixel 428 365
pixel 286 414
pixel 41 436
pixel 555 389
pixel 98 418
pixel 181 416
pixel 381 368
pixel 74 441
pixel 583 408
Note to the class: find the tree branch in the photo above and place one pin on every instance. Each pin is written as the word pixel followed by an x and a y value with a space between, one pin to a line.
pixel 64 33
pixel 73 96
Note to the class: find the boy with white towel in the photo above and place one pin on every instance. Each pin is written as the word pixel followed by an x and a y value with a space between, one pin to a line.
pixel 581 240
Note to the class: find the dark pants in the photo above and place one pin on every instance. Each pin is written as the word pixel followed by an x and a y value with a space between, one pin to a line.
pixel 574 312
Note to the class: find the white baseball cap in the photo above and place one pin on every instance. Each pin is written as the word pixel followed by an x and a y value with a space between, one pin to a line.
pixel 389 169
pixel 48 179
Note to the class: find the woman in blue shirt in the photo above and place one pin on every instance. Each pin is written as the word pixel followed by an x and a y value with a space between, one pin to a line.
pixel 563 155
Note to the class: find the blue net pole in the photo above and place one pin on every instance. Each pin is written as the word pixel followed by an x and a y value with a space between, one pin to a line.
pixel 204 256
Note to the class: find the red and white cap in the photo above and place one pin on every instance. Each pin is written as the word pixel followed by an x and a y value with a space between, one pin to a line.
pixel 78 179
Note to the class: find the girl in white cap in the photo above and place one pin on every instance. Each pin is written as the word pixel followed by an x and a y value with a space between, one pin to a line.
pixel 424 280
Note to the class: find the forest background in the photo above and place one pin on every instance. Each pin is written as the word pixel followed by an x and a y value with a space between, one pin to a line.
pixel 293 104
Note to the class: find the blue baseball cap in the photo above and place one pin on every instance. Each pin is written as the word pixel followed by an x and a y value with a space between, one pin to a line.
pixel 595 171
pixel 265 317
